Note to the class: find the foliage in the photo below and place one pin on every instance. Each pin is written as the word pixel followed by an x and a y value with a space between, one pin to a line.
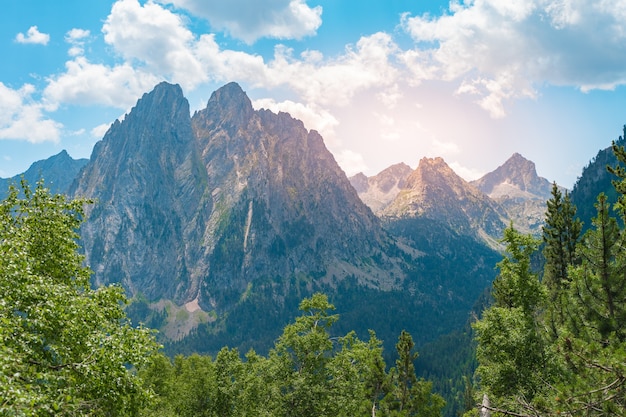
pixel 562 354
pixel 65 349
pixel 306 373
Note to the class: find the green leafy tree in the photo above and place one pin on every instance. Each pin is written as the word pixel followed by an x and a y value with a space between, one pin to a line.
pixel 513 357
pixel 65 348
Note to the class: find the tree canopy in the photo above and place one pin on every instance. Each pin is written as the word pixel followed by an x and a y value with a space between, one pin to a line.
pixel 556 347
pixel 65 349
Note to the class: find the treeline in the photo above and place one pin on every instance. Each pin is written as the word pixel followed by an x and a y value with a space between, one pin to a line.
pixel 554 343
pixel 69 350
pixel 306 373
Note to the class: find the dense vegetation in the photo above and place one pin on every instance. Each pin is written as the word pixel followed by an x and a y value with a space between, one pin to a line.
pixel 68 349
pixel 65 348
pixel 551 343
pixel 306 373
pixel 555 346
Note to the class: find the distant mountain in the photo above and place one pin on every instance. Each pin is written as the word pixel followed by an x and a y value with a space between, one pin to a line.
pixel 516 178
pixel 58 172
pixel 380 190
pixel 434 191
pixel 516 192
pixel 516 186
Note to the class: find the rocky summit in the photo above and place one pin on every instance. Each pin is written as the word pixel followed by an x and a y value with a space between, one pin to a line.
pixel 207 211
pixel 516 186
pixel 436 192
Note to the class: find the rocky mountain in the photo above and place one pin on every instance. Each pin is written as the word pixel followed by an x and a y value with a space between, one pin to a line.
pixel 434 191
pixel 512 192
pixel 145 230
pixel 218 224
pixel 381 189
pixel 516 186
pixel 516 178
pixel 58 172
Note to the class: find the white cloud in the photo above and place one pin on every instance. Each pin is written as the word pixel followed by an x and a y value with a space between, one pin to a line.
pixel 33 36
pixel 250 20
pixel 468 174
pixel 22 119
pixel 154 37
pixel 86 83
pixel 76 38
pixel 99 131
pixel 351 162
pixel 500 51
pixel 336 81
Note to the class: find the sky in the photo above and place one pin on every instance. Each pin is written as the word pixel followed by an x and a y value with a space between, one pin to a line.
pixel 383 81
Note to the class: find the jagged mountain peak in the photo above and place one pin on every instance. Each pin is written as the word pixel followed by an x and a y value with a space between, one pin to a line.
pixel 434 172
pixel 229 105
pixel 434 191
pixel 163 96
pixel 516 178
pixel 380 190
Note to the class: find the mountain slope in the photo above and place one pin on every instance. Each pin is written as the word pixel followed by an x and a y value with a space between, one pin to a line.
pixel 595 179
pixel 148 183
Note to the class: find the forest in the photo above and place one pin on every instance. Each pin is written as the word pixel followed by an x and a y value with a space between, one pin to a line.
pixel 551 341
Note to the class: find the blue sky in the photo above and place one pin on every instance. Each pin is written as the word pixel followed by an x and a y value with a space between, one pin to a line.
pixel 384 81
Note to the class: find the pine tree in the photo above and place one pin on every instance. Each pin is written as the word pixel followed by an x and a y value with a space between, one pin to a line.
pixel 561 233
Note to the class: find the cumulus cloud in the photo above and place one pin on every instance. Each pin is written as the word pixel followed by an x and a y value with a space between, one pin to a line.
pixel 155 37
pixel 99 131
pixel 21 118
pixel 33 36
pixel 250 20
pixel 500 51
pixel 335 81
pixel 86 83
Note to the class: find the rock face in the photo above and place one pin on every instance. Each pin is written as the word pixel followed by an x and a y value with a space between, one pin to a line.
pixel 148 181
pixel 380 190
pixel 58 172
pixel 434 191
pixel 282 205
pixel 208 209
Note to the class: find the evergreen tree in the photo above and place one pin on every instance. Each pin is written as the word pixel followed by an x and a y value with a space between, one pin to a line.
pixel 599 287
pixel 561 233
pixel 408 395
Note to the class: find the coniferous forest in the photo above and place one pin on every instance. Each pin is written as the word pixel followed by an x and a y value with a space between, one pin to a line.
pixel 550 341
